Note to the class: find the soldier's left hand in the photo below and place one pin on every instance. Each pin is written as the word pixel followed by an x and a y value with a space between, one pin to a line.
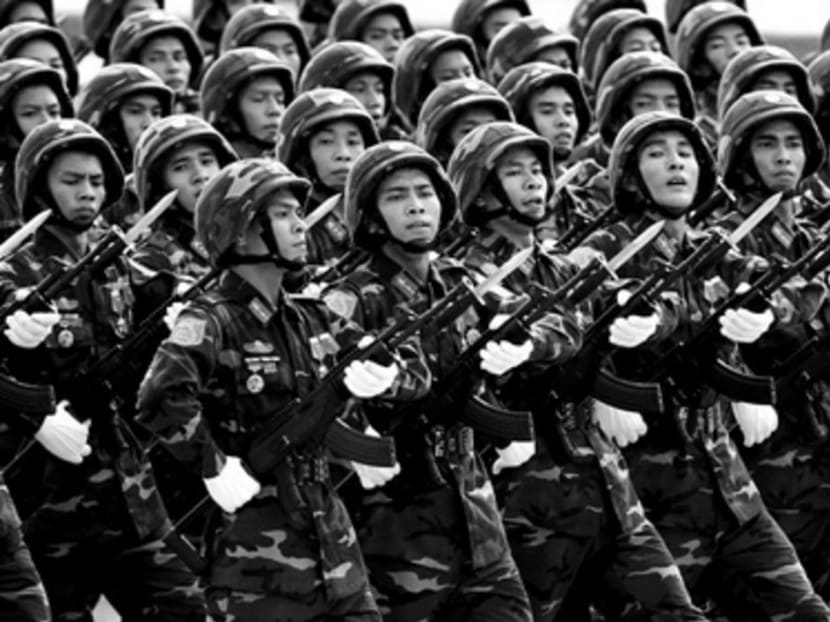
pixel 499 357
pixel 757 421
pixel 632 330
pixel 514 455
pixel 745 326
pixel 366 379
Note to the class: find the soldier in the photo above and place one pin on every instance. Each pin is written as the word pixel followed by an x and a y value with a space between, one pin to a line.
pixel 40 11
pixel 167 46
pixel 42 43
pixel 426 59
pixel 30 94
pixel 102 17
pixel 268 27
pixel 324 132
pixel 685 468
pixel 244 95
pixel 819 70
pixel 381 24
pixel 120 102
pixel 676 10
pixel 586 12
pixel 283 547
pixel 211 16
pixel 105 515
pixel 529 39
pixel 432 536
pixel 481 20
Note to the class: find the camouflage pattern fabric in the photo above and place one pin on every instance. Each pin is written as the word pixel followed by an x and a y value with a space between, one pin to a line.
pixel 10 217
pixel 329 238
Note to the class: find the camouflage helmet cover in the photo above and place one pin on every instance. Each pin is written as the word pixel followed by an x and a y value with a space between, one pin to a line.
pixel 108 88
pixel 475 158
pixel 352 16
pixel 6 7
pixel 18 73
pixel 229 202
pixel 15 36
pixel 676 10
pixel 523 81
pixel 586 12
pixel 48 140
pixel 336 63
pixel 251 21
pixel 469 16
pixel 164 136
pixel 376 164
pixel 100 19
pixel 593 42
pixel 624 161
pixel 521 41
pixel 819 70
pixel 747 114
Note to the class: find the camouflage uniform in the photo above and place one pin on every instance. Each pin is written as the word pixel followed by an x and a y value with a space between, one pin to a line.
pixel 15 36
pixel 695 487
pixel 469 17
pixel 104 516
pixel 572 506
pixel 232 361
pixel 330 238
pixel 432 537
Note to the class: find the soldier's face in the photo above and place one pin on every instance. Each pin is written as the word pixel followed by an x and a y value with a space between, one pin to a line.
pixel 281 44
pixel 188 169
pixel 286 217
pixel 384 32
pixel 43 52
pixel 776 80
pixel 777 151
pixel 654 94
pixel 467 121
pixel 409 206
pixel 76 181
pixel 28 12
pixel 167 58
pixel 523 180
pixel 33 106
pixel 554 117
pixel 449 65
pixel 261 104
pixel 640 39
pixel 333 150
pixel 137 112
pixel 723 43
pixel 556 55
pixel 670 170
pixel 498 18
pixel 367 87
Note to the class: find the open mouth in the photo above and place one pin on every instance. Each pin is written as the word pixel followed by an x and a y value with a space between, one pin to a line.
pixel 677 182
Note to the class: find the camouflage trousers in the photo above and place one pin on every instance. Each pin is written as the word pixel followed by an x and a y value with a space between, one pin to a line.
pixel 225 605
pixel 564 534
pixel 712 549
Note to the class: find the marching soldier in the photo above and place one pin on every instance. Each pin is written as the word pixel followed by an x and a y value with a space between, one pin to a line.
pixel 42 43
pixel 586 12
pixel 381 24
pixel 102 17
pixel 526 40
pixel 481 20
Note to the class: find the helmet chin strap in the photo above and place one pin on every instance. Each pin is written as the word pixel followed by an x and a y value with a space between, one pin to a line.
pixel 507 209
pixel 273 256
pixel 47 202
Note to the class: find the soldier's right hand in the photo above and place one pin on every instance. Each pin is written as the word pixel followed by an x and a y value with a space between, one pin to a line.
pixel 367 379
pixel 624 427
pixel 64 436
pixel 27 330
pixel 233 487
pixel 632 330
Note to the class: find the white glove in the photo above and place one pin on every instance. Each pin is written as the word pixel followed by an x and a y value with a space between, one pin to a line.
pixel 633 330
pixel 172 314
pixel 64 437
pixel 374 476
pixel 515 454
pixel 29 330
pixel 233 487
pixel 624 427
pixel 745 326
pixel 365 379
pixel 757 421
pixel 499 357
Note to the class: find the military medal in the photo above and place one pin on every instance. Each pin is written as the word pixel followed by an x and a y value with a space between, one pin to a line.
pixel 255 383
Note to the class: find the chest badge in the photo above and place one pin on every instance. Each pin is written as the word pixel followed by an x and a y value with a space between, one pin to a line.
pixel 255 383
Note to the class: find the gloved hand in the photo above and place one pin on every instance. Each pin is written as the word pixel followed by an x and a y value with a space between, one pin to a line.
pixel 499 357
pixel 624 427
pixel 233 487
pixel 374 476
pixel 366 379
pixel 745 326
pixel 515 454
pixel 172 313
pixel 63 436
pixel 632 330
pixel 757 421
pixel 29 330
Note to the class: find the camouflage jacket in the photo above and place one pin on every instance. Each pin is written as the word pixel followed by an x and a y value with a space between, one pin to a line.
pixel 96 314
pixel 172 247
pixel 10 218
pixel 329 238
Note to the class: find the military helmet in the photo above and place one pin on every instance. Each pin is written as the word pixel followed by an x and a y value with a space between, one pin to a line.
pixel 474 159
pixel 112 84
pixel 825 37
pixel 100 19
pixel 161 139
pixel 586 12
pixel 447 101
pixel 691 35
pixel 743 70
pixel 6 7
pixel 311 110
pixel 15 36
pixel 139 28
pixel 251 21
pixel 368 172
pixel 523 81
pixel 521 41
pixel 210 17
pixel 50 139
pixel 335 64
pixel 607 34
pixel 819 70
pixel 226 77
pixel 18 73
pixel 352 16
pixel 469 16
pixel 746 115
pixel 624 75
pixel 676 10
pixel 410 84
pixel 624 161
